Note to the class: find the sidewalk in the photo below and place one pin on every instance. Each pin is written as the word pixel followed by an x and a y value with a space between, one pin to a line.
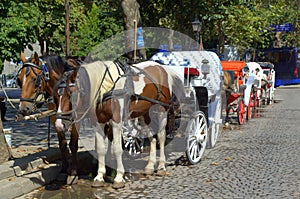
pixel 35 164
pixel 20 176
pixel 23 175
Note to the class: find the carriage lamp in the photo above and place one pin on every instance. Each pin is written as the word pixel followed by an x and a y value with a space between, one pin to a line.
pixel 205 68
pixel 197 25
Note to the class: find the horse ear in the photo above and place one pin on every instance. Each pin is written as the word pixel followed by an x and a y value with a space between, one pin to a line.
pixel 36 57
pixel 22 56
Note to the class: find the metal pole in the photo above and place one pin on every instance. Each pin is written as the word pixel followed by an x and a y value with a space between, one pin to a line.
pixel 135 38
pixel 197 39
pixel 48 131
pixel 67 26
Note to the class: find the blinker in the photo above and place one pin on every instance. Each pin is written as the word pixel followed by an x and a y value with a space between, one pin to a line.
pixel 46 72
pixel 60 91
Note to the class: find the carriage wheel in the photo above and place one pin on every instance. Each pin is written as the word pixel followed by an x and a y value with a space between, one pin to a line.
pixel 196 137
pixel 134 145
pixel 215 127
pixel 255 100
pixel 241 112
pixel 269 97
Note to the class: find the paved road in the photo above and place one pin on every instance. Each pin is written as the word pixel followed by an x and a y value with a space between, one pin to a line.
pixel 258 160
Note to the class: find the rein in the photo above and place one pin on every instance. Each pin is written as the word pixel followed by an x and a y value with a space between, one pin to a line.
pixel 69 115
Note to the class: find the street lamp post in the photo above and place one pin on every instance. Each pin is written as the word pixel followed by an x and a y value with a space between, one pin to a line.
pixel 197 25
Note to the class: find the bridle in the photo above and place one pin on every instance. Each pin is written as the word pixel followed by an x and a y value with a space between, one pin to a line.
pixel 42 75
pixel 61 86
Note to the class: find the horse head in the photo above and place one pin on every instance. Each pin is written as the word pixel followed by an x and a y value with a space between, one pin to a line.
pixel 38 76
pixel 32 79
pixel 65 89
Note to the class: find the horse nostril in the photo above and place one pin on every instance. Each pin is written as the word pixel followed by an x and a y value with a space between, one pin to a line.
pixel 60 126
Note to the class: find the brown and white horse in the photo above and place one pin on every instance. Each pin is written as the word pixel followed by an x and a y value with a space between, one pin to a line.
pixel 112 93
pixel 37 78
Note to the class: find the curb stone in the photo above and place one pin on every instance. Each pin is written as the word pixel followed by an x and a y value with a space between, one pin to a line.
pixel 20 176
pixel 14 187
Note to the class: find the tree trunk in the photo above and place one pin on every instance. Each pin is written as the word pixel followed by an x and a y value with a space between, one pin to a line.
pixel 67 26
pixel 221 39
pixel 5 152
pixel 133 34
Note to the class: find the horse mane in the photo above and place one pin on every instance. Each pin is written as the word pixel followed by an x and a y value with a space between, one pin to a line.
pixel 178 88
pixel 56 63
pixel 84 89
pixel 61 64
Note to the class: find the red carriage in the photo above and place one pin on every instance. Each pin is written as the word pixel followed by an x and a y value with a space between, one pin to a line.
pixel 234 86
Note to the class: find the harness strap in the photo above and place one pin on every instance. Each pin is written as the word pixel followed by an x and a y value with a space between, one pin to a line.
pixel 64 115
pixel 152 100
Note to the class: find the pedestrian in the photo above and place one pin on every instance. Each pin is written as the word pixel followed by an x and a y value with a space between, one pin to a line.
pixel 3 108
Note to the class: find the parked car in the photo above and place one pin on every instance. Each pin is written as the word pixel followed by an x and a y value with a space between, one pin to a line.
pixel 12 82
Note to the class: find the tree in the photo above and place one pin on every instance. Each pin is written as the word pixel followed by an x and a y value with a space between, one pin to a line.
pixel 97 23
pixel 242 23
pixel 133 25
pixel 18 23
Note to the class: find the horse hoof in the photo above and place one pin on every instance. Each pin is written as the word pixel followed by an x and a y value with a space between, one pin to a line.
pixel 161 172
pixel 148 171
pixel 118 185
pixel 97 184
pixel 72 180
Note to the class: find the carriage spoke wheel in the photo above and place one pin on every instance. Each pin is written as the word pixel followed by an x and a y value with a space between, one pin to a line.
pixel 196 137
pixel 215 127
pixel 241 112
pixel 255 100
pixel 269 96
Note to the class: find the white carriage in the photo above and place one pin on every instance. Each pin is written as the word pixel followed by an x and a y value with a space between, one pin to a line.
pixel 202 73
pixel 269 72
pixel 253 75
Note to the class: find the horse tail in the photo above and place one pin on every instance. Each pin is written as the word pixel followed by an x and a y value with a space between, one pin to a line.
pixel 178 93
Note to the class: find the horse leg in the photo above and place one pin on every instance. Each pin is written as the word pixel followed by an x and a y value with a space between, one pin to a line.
pixel 101 152
pixel 63 146
pixel 73 177
pixel 158 125
pixel 149 169
pixel 118 151
pixel 161 169
pixel 227 105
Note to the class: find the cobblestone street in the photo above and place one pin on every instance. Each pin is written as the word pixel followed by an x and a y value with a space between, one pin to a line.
pixel 257 160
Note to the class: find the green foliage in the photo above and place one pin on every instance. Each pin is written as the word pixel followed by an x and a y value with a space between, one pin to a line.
pixel 18 24
pixel 93 29
pixel 242 23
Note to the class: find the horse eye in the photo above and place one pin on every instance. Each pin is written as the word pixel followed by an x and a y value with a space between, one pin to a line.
pixel 60 91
